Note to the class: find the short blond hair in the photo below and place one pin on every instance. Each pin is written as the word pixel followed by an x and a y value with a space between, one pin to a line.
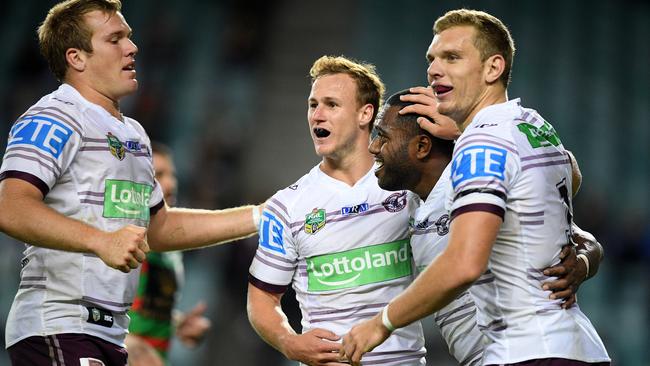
pixel 492 36
pixel 64 27
pixel 370 88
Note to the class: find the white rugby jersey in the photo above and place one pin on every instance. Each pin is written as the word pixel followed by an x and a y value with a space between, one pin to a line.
pixel 510 161
pixel 457 320
pixel 346 252
pixel 94 168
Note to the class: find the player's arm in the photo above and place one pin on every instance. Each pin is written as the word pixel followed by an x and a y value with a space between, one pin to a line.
pixel 24 216
pixel 315 347
pixel 577 264
pixel 192 326
pixel 426 105
pixel 588 246
pixel 463 262
pixel 183 228
pixel 576 174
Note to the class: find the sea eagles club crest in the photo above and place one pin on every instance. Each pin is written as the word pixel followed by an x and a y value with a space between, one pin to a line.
pixel 315 221
pixel 115 146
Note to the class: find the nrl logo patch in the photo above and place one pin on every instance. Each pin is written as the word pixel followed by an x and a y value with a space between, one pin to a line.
pixel 315 221
pixel 115 146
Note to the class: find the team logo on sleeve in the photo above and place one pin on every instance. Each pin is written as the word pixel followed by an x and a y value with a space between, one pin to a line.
pixel 271 233
pixel 115 146
pixel 46 134
pixel 315 221
pixel 395 202
pixel 478 161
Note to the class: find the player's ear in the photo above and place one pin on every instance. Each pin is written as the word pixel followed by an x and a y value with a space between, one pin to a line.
pixel 366 114
pixel 493 68
pixel 76 59
pixel 423 146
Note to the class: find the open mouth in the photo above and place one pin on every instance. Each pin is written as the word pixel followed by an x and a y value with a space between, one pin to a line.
pixel 321 132
pixel 129 67
pixel 440 90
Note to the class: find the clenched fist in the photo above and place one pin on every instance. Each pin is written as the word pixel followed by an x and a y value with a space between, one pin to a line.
pixel 124 249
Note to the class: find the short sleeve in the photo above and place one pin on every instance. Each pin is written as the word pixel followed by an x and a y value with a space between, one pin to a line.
pixel 275 261
pixel 41 146
pixel 483 169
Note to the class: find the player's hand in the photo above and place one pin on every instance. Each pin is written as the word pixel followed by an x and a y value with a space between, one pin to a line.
pixel 317 347
pixel 570 273
pixel 141 353
pixel 192 326
pixel 124 249
pixel 362 338
pixel 426 105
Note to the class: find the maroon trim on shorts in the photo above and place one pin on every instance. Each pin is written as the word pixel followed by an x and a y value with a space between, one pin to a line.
pixel 64 350
pixel 274 289
pixel 27 177
pixel 554 362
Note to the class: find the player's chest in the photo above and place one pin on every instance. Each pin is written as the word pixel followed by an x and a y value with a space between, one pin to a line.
pixel 115 151
pixel 344 223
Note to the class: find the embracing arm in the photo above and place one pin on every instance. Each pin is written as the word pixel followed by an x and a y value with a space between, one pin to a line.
pixel 24 216
pixel 460 264
pixel 577 263
pixel 588 246
pixel 183 228
pixel 426 105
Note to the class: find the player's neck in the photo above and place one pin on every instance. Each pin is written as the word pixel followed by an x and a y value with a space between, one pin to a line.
pixel 431 173
pixel 94 96
pixel 349 168
pixel 494 95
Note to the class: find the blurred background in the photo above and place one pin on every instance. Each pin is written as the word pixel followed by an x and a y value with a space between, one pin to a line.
pixel 225 84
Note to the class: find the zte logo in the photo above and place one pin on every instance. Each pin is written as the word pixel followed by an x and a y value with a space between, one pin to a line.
pixel 478 161
pixel 44 133
pixel 271 233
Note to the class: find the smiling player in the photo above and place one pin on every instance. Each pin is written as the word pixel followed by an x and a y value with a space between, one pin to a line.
pixel 334 235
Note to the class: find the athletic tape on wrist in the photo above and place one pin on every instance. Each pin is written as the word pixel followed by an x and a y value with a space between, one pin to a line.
pixel 385 320
pixel 586 260
pixel 256 217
